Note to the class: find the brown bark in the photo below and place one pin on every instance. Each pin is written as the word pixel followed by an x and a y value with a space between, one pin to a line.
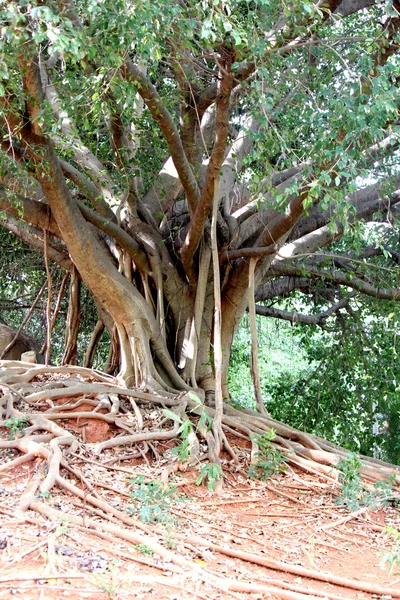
pixel 254 367
pixel 73 319
pixel 196 227
pixel 92 346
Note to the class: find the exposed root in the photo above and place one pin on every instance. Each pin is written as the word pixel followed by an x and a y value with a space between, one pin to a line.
pixel 217 581
pixel 37 407
pixel 104 393
pixel 220 582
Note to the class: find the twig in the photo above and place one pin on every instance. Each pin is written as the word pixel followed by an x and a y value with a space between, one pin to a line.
pixel 103 465
pixel 345 519
pixel 287 496
pixel 51 555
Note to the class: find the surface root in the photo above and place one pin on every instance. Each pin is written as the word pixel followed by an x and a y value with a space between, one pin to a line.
pixel 48 410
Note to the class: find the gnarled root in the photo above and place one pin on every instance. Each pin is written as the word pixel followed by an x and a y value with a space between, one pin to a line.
pixel 35 413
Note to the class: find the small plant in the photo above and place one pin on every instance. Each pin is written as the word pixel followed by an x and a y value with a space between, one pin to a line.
pixel 183 450
pixel 15 425
pixel 352 492
pixel 152 501
pixel 384 488
pixel 212 472
pixel 269 460
pixel 62 530
pixel 185 430
pixel 143 549
pixel 354 495
pixel 169 541
pixel 105 583
pixel 205 422
pixel 393 556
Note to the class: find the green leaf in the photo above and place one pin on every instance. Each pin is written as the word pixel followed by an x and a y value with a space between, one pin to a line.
pixel 194 397
pixel 171 415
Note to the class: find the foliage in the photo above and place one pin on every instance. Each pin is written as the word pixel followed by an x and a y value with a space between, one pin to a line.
pixel 143 549
pixel 185 430
pixel 269 459
pixel 15 425
pixel 210 472
pixel 110 146
pixel 106 583
pixel 392 556
pixel 153 501
pixel 353 494
pixel 341 382
pixel 183 449
pixel 281 359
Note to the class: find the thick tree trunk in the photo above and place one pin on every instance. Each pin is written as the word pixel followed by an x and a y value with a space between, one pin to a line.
pixel 135 321
pixel 145 258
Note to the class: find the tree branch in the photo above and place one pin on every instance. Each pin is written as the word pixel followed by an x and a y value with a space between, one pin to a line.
pixel 32 237
pixel 317 238
pixel 39 215
pixel 33 212
pixel 89 190
pixel 281 225
pixel 162 116
pixel 82 154
pixel 118 234
pixel 349 7
pixel 197 223
pixel 125 144
pixel 316 218
pixel 229 255
pixel 283 287
pixel 295 317
pixel 257 214
pixel 337 277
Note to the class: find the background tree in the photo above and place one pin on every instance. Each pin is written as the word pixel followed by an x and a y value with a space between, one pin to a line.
pixel 126 125
pixel 339 381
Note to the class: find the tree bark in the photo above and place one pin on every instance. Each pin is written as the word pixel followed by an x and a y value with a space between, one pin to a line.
pixel 254 367
pixel 73 319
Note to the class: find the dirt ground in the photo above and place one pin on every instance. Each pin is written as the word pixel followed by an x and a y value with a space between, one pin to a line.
pixel 293 520
pixel 112 529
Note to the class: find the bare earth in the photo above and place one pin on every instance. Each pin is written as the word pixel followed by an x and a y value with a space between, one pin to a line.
pixel 292 520
pixel 285 538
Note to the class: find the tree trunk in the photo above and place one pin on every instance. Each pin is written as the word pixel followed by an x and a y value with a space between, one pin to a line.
pixel 73 319
pixel 92 346
pixel 145 256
